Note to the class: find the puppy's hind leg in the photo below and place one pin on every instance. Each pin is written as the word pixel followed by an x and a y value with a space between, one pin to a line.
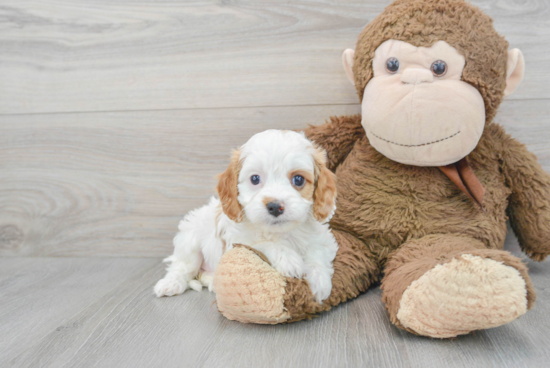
pixel 183 266
pixel 185 263
pixel 207 280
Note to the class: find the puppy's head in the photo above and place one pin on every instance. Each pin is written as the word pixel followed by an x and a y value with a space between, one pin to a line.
pixel 277 180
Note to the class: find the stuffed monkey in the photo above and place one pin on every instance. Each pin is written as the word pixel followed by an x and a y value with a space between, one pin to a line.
pixel 426 182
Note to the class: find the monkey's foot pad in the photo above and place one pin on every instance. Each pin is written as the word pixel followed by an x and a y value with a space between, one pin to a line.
pixel 248 289
pixel 469 293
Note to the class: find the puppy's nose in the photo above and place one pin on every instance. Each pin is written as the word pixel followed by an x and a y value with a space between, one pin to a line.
pixel 275 208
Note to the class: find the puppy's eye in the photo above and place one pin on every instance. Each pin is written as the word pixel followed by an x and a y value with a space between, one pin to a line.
pixel 255 179
pixel 298 180
pixel 439 68
pixel 392 65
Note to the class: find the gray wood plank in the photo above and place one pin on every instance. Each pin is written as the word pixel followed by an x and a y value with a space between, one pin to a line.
pixel 66 56
pixel 116 184
pixel 42 298
pixel 98 312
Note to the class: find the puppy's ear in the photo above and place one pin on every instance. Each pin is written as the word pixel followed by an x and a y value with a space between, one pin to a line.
pixel 324 196
pixel 228 191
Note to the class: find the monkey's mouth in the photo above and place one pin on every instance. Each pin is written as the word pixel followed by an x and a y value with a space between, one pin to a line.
pixel 416 145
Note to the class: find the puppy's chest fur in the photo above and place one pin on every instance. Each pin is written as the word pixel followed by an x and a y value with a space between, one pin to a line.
pixel 298 238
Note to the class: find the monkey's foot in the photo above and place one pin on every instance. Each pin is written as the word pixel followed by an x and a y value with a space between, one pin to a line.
pixel 248 289
pixel 466 294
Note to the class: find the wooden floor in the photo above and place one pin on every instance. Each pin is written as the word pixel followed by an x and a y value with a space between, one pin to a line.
pixel 114 118
pixel 100 312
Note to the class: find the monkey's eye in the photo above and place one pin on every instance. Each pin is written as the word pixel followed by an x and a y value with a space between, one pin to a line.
pixel 298 180
pixel 255 179
pixel 439 68
pixel 392 65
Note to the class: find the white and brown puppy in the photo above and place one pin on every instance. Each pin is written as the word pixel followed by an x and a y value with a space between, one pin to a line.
pixel 276 196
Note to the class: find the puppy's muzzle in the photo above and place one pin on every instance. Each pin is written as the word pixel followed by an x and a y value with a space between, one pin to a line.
pixel 275 208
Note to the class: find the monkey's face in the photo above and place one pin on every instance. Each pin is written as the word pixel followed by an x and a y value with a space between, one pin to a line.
pixel 426 103
pixel 416 110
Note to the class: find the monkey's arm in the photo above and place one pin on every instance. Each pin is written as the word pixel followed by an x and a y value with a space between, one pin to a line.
pixel 337 136
pixel 529 204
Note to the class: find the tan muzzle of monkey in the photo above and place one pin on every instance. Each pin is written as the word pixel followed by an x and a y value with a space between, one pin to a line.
pixel 416 76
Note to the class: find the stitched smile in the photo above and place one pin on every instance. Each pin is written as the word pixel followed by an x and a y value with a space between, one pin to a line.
pixel 416 145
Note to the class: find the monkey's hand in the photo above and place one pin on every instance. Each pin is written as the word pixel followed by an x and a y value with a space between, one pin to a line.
pixel 529 204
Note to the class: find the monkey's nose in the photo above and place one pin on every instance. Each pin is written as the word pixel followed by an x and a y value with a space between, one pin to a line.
pixel 275 208
pixel 416 76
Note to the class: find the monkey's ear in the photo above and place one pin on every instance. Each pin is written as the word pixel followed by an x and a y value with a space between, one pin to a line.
pixel 515 67
pixel 347 60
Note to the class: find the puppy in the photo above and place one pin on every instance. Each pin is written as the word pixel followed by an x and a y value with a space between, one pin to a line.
pixel 276 196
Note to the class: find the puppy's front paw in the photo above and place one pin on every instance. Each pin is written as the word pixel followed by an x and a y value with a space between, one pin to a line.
pixel 283 259
pixel 320 283
pixel 289 265
pixel 169 286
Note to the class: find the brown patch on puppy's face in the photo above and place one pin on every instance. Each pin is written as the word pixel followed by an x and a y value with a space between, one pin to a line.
pixel 267 200
pixel 306 190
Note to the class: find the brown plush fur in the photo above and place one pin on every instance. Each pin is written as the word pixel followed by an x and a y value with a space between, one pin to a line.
pixel 354 271
pixel 383 205
pixel 405 220
pixel 343 132
pixel 424 22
